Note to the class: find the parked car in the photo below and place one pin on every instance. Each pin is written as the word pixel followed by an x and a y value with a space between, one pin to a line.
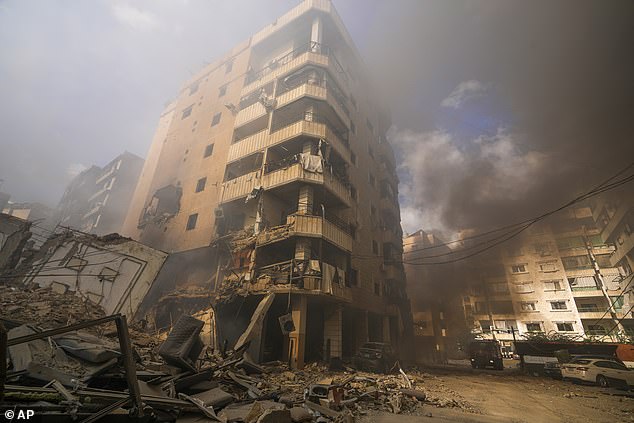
pixel 552 369
pixel 375 357
pixel 600 371
pixel 486 354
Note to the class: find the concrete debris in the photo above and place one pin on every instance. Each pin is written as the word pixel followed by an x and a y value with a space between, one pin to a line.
pixel 90 369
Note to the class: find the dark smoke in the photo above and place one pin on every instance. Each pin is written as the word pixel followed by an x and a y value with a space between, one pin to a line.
pixel 553 113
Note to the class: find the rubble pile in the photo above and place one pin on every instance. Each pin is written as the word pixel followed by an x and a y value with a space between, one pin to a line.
pixel 77 364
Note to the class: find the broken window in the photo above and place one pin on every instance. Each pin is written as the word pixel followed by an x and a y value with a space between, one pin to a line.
pixel 209 150
pixel 216 119
pixel 486 326
pixel 528 306
pixel 191 221
pixel 352 277
pixel 165 203
pixel 499 288
pixel 187 112
pixel 200 185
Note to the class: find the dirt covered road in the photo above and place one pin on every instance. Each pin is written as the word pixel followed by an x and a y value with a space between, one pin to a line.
pixel 462 395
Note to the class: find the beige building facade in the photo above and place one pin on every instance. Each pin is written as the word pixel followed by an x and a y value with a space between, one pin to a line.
pixel 276 155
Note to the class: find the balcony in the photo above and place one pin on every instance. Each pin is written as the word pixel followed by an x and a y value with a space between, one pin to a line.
pixel 252 113
pixel 308 226
pixel 323 91
pixel 615 220
pixel 243 185
pixel 276 279
pixel 623 249
pixel 586 291
pixel 307 125
pixel 393 271
pixel 596 315
pixel 296 173
pixel 311 53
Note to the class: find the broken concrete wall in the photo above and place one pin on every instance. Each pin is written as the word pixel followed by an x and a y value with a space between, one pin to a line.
pixel 187 277
pixel 14 234
pixel 111 271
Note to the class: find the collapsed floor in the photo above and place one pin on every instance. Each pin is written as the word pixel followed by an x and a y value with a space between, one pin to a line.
pixel 81 374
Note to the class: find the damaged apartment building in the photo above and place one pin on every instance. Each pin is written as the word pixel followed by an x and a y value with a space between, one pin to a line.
pixel 272 164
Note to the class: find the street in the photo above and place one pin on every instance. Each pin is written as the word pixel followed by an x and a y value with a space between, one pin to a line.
pixel 509 396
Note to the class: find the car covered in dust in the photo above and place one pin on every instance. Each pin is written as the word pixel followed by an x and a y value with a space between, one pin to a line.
pixel 377 357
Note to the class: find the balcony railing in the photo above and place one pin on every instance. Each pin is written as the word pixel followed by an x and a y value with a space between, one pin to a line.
pixel 313 47
pixel 308 124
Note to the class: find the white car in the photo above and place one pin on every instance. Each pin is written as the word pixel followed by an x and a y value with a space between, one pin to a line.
pixel 600 371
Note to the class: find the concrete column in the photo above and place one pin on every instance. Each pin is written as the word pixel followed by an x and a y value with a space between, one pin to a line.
pixel 386 329
pixel 332 332
pixel 305 200
pixel 302 249
pixel 297 338
pixel 316 35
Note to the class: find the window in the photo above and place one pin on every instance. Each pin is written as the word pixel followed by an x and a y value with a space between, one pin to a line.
pixel 191 221
pixel 528 306
pixel 370 151
pixel 518 268
pixel 554 285
pixel 353 128
pixel 543 249
pixel 372 210
pixel 524 287
pixel 200 185
pixel 187 112
pixel 216 119
pixel 577 262
pixel 222 91
pixel 353 158
pixel 533 327
pixel 229 66
pixel 550 266
pixel 558 305
pixel 565 327
pixel 209 150
pixel 587 307
pixel 499 288
pixel 485 325
pixel 370 127
pixel 194 87
pixel 353 193
pixel 375 247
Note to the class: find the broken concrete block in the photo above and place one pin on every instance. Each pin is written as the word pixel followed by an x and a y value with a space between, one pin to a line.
pixel 419 395
pixel 300 414
pixel 216 398
pixel 275 416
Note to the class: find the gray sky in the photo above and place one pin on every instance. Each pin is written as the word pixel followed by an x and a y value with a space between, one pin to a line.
pixel 501 109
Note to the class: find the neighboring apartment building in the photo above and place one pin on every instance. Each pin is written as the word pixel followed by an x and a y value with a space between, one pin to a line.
pixel 276 155
pixel 38 214
pixel 439 325
pixel 97 200
pixel 556 279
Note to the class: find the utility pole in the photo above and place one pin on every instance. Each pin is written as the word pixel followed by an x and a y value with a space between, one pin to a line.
pixel 600 282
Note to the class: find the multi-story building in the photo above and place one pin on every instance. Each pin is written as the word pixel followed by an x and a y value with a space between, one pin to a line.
pixel 97 200
pixel 556 280
pixel 276 155
pixel 614 217
pixel 559 279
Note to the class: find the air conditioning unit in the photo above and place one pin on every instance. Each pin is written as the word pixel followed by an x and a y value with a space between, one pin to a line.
pixel 219 213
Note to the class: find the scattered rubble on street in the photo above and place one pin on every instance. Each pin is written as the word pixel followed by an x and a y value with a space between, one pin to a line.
pixel 73 373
